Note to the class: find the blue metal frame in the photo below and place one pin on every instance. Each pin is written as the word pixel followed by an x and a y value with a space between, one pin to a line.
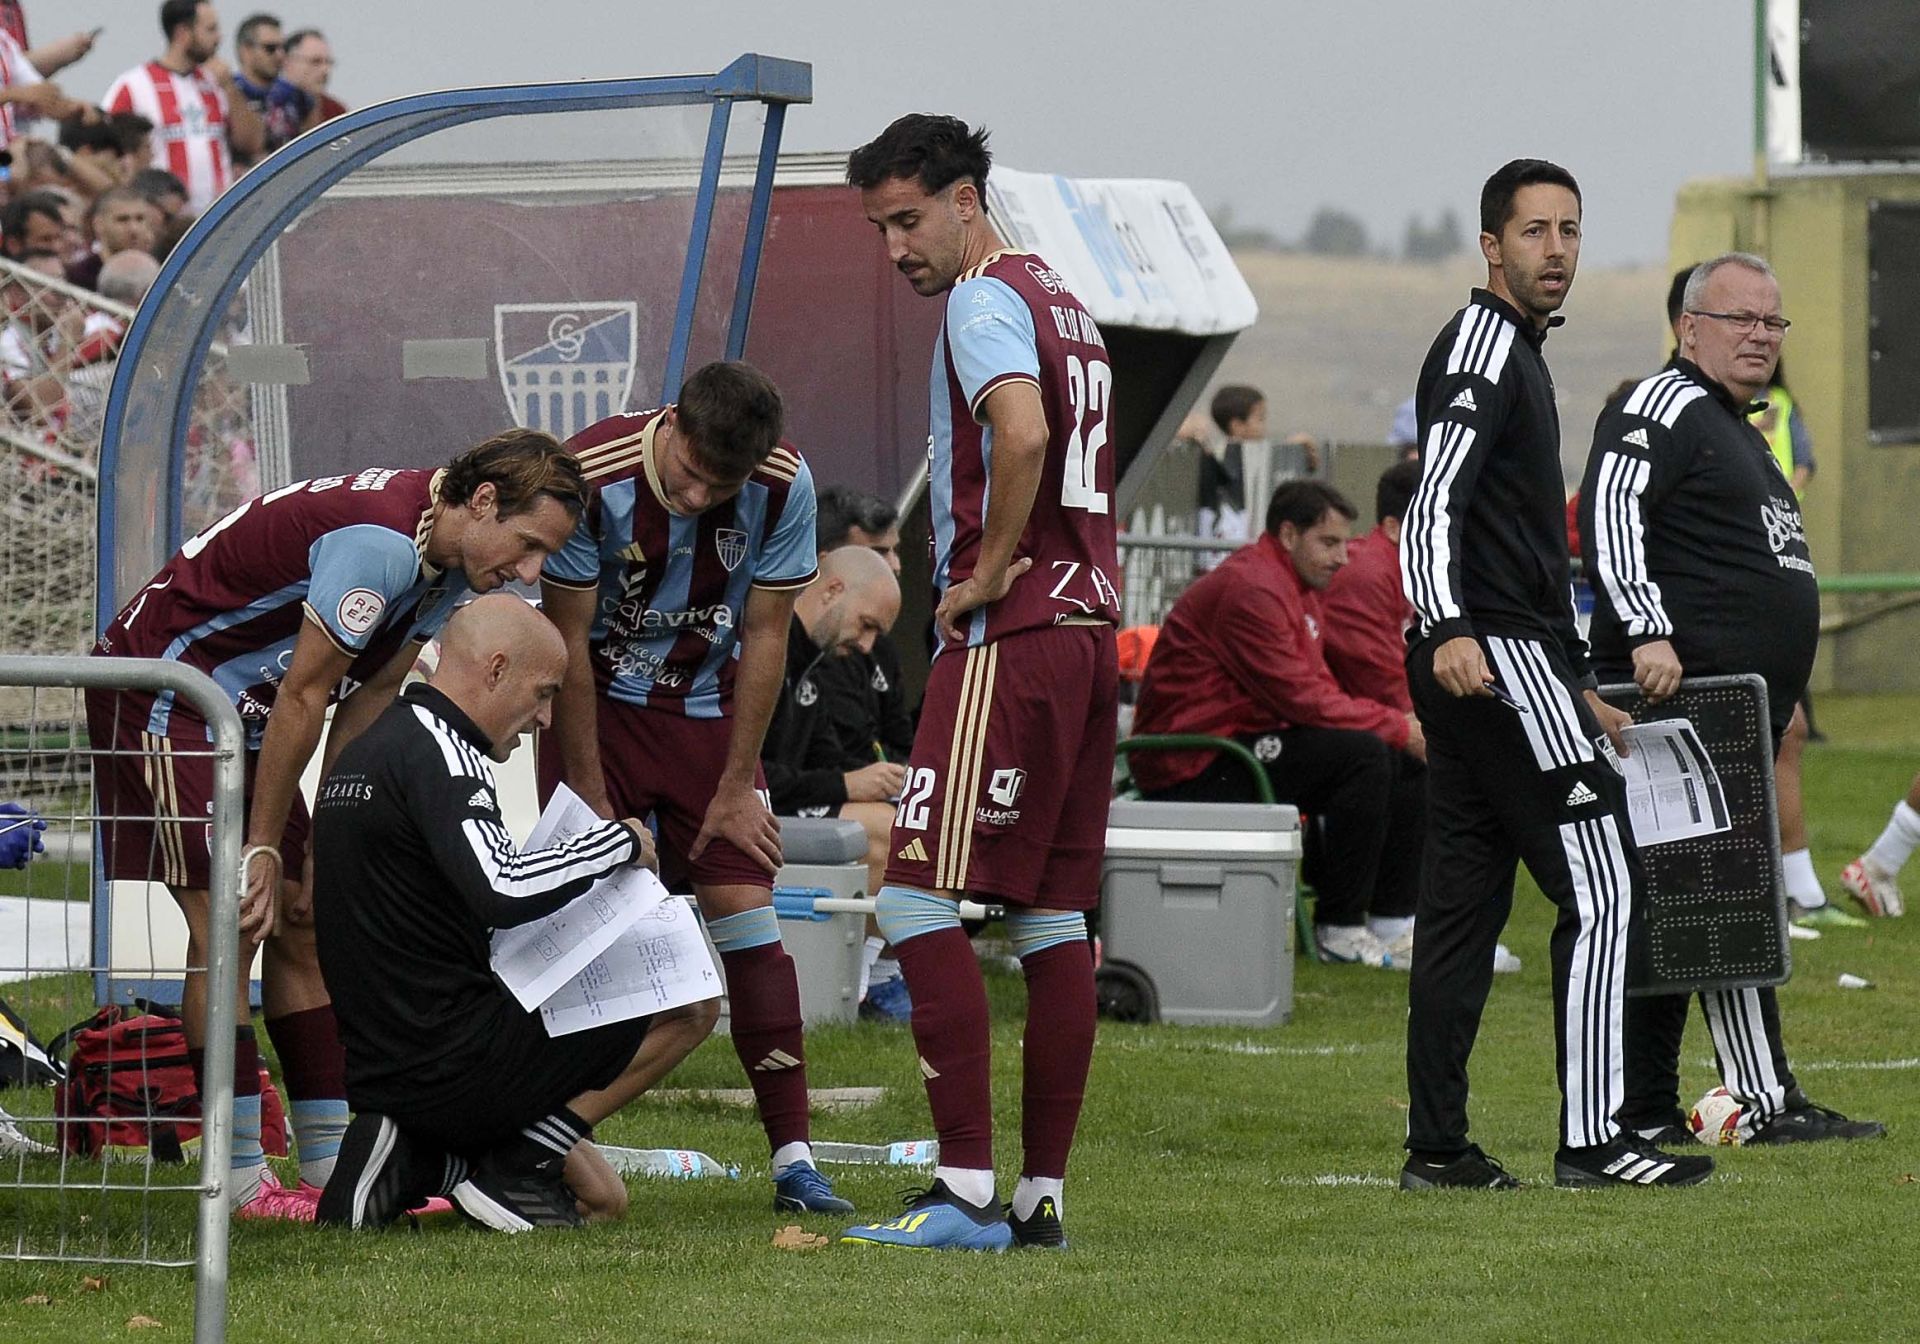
pixel 167 344
pixel 204 271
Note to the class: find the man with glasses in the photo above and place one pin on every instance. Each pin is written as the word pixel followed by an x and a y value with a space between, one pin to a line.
pixel 1694 542
pixel 258 52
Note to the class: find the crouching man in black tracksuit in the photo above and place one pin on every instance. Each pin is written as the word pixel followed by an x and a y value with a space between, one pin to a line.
pixel 1699 563
pixel 1519 749
pixel 457 1089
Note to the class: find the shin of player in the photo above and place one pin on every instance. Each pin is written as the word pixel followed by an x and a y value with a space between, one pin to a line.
pixel 320 592
pixel 1007 786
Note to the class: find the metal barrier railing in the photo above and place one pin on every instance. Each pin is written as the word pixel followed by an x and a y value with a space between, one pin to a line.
pixel 116 1208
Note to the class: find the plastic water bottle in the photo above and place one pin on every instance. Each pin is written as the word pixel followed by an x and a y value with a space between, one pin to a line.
pixel 912 1153
pixel 681 1163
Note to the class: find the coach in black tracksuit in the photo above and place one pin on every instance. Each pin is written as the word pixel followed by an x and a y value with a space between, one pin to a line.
pixel 1518 748
pixel 1694 544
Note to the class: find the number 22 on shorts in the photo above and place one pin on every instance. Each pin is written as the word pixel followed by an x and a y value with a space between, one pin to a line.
pixel 912 812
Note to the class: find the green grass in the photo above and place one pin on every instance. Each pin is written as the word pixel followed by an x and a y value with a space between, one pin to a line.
pixel 1193 1202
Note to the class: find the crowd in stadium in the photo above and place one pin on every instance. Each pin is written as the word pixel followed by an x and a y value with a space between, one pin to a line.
pixel 713 649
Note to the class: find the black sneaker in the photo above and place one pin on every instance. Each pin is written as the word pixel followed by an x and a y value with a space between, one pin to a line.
pixel 1627 1161
pixel 517 1200
pixel 1810 1124
pixel 1673 1134
pixel 1040 1231
pixel 379 1175
pixel 1472 1170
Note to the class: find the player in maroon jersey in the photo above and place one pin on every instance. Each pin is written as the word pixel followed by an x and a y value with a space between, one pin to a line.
pixel 321 591
pixel 1007 787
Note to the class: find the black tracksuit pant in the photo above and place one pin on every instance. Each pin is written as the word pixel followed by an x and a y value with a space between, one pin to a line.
pixel 1368 804
pixel 1506 786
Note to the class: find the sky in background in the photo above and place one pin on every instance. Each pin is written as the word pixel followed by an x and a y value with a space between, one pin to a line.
pixel 1378 107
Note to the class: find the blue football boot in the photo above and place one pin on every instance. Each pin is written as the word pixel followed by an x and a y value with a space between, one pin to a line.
pixel 802 1189
pixel 938 1220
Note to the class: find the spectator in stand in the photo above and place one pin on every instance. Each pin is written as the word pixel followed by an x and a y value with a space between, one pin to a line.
pixel 25 92
pixel 1240 656
pixel 34 222
pixel 122 220
pixel 259 50
pixel 166 191
pixel 1367 615
pixel 188 93
pixel 1241 414
pixel 49 58
pixel 42 330
pixel 298 100
pixel 134 135
pixel 93 150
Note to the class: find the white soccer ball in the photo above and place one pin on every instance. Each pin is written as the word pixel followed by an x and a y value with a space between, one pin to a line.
pixel 1718 1118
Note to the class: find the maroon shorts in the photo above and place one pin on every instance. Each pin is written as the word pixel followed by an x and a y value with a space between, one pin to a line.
pixel 1012 770
pixel 666 766
pixel 150 788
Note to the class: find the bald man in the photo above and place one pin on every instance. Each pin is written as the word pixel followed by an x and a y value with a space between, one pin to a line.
pixel 457 1089
pixel 854 600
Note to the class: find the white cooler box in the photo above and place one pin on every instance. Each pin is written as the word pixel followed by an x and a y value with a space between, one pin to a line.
pixel 1196 913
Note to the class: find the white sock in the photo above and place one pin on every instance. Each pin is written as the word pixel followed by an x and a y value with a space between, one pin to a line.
pixel 1387 928
pixel 1032 1189
pixel 789 1153
pixel 1897 843
pixel 885 969
pixel 1803 885
pixel 868 955
pixel 243 1184
pixel 974 1186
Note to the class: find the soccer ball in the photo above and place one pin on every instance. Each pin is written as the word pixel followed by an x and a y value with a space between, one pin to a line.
pixel 1718 1118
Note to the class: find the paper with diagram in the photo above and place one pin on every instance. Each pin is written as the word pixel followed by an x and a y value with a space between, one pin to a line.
pixel 1673 791
pixel 660 961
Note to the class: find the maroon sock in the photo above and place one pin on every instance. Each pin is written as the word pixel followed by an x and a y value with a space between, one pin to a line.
pixel 1059 1050
pixel 950 1029
pixel 763 998
pixel 313 1066
pixel 246 1064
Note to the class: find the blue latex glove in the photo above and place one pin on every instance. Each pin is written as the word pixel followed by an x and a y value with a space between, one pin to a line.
pixel 19 839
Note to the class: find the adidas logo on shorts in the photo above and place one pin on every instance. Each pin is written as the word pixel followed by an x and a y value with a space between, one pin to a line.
pixel 915 852
pixel 1581 795
pixel 1463 402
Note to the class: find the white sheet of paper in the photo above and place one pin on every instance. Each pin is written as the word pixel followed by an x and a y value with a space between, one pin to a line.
pixel 1673 791
pixel 534 960
pixel 659 962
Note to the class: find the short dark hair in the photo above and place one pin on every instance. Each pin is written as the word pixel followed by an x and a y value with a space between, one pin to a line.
pixel 1304 503
pixel 253 23
pixel 13 219
pixel 935 151
pixel 129 129
pixel 91 135
pixel 178 14
pixel 731 415
pixel 523 466
pixel 1677 295
pixel 1496 197
pixel 1235 401
pixel 295 39
pixel 1394 492
pixel 153 183
pixel 113 196
pixel 841 508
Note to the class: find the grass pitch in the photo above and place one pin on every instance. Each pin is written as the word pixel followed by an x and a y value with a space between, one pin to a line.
pixel 1227 1184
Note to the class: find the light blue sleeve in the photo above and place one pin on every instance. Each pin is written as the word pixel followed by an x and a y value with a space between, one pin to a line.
pixel 789 559
pixel 990 336
pixel 577 563
pixel 358 572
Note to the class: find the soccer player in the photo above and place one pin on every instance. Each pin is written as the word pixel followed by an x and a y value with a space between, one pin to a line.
pixel 1519 744
pixel 1007 787
pixel 1874 877
pixel 674 595
pixel 1699 560
pixel 320 592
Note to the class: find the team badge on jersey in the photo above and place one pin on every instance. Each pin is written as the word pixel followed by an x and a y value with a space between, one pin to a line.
pixel 730 544
pixel 565 366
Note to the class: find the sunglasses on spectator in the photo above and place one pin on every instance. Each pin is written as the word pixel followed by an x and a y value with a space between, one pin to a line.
pixel 1745 322
pixel 271 48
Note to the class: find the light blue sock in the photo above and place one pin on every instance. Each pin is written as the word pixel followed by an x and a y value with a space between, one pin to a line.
pixel 248 1162
pixel 1030 933
pixel 903 913
pixel 749 928
pixel 318 1125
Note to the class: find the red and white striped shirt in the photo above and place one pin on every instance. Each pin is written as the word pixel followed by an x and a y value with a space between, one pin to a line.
pixel 15 72
pixel 189 116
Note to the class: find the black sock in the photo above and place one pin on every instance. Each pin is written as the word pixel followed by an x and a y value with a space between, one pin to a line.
pixel 547 1140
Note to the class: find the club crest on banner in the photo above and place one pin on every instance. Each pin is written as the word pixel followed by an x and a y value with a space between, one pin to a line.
pixel 565 366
